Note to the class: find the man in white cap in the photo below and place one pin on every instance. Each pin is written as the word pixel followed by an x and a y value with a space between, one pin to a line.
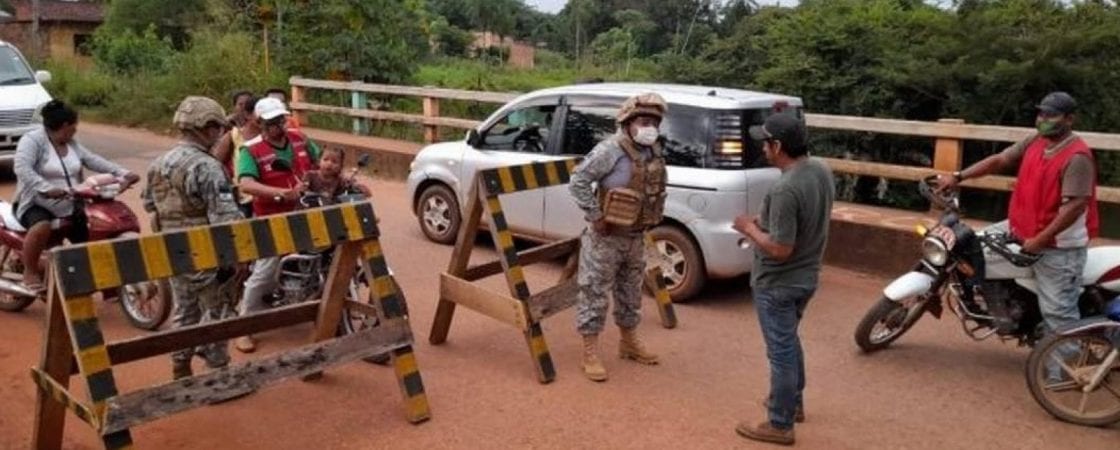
pixel 270 167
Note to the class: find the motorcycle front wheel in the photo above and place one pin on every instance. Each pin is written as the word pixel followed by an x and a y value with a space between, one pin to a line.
pixel 353 320
pixel 1060 370
pixel 887 321
pixel 146 305
pixel 9 264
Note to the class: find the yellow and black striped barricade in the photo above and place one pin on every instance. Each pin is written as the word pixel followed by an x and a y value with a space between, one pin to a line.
pixel 74 342
pixel 521 308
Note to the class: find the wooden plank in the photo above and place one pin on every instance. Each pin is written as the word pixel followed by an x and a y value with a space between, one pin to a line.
pixel 1098 141
pixel 56 362
pixel 1105 194
pixel 655 282
pixel 947 152
pixel 460 258
pixel 147 346
pixel 343 265
pixel 365 309
pixel 538 254
pixel 62 396
pixel 431 110
pixel 152 403
pixel 412 91
pixel 571 266
pixel 418 119
pixel 553 300
pixel 299 94
pixel 497 306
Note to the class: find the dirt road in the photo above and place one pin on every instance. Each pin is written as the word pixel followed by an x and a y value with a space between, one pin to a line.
pixel 935 389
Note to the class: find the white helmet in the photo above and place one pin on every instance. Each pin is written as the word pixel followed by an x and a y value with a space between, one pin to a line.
pixel 269 108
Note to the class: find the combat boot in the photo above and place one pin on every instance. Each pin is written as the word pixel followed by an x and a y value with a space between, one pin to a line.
pixel 592 366
pixel 181 369
pixel 630 347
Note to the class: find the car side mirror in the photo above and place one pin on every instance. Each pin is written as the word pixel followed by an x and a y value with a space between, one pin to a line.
pixel 473 137
pixel 43 76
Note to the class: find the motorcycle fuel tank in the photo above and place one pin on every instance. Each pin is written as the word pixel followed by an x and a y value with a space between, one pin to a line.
pixel 110 219
pixel 999 268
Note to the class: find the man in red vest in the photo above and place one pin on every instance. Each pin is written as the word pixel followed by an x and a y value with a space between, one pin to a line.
pixel 270 167
pixel 1054 205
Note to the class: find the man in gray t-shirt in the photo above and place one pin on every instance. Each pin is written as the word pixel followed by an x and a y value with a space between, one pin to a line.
pixel 789 239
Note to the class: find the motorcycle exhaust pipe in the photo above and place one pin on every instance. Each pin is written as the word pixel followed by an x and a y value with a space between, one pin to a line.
pixel 14 288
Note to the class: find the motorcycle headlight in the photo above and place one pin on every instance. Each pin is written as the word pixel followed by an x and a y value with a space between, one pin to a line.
pixel 934 251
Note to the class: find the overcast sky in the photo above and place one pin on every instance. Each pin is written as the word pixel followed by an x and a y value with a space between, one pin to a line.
pixel 554 6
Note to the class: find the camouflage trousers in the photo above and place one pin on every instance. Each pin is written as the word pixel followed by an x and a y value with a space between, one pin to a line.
pixel 610 265
pixel 200 298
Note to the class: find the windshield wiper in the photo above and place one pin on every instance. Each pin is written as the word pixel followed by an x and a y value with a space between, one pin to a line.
pixel 20 80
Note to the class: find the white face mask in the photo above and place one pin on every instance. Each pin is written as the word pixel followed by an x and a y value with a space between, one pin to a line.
pixel 646 136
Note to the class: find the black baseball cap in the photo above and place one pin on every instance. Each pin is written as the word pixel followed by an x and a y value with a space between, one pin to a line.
pixel 784 127
pixel 1057 103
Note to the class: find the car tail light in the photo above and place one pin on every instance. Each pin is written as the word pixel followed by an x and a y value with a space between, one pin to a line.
pixel 728 148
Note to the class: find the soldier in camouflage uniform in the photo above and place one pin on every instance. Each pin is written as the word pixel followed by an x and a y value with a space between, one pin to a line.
pixel 188 187
pixel 628 170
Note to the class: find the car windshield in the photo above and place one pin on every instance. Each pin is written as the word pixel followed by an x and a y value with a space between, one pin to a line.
pixel 12 68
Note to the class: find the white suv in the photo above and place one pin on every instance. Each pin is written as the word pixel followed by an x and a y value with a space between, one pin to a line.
pixel 716 172
pixel 21 95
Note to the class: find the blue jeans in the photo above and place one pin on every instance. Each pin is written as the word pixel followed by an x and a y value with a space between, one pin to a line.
pixel 779 313
pixel 1059 274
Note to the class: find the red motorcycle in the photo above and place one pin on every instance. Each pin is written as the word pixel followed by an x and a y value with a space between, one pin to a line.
pixel 146 305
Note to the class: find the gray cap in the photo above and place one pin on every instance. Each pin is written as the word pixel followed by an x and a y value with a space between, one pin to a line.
pixel 784 127
pixel 1057 103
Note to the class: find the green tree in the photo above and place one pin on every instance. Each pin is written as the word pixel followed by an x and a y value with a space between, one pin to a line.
pixel 172 19
pixel 371 40
pixel 129 52
pixel 450 40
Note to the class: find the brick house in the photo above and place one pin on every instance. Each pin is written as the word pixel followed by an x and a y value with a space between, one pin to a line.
pixel 65 27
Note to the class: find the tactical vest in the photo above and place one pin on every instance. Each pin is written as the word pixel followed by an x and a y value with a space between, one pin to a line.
pixel 641 204
pixel 174 208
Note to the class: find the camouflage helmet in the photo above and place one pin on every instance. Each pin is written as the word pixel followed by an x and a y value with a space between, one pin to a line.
pixel 648 104
pixel 196 112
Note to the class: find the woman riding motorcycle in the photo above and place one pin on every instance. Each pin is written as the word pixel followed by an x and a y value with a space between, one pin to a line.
pixel 48 163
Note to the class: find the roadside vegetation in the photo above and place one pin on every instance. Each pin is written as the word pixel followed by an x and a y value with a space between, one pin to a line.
pixel 984 61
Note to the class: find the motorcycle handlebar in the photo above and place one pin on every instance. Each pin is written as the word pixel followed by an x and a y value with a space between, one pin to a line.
pixel 1001 244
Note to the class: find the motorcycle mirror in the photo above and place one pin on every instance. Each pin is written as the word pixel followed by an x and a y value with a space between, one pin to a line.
pixel 363 161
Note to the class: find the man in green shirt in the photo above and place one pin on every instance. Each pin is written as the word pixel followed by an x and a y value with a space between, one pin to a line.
pixel 270 168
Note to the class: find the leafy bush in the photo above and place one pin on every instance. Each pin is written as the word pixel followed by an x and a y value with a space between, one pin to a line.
pixel 82 88
pixel 129 52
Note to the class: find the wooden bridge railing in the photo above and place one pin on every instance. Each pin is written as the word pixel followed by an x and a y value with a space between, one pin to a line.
pixel 948 134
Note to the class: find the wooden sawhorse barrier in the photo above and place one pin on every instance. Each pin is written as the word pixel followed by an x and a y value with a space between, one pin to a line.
pixel 74 339
pixel 521 309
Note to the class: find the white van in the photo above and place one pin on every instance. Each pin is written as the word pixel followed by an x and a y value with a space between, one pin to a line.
pixel 21 96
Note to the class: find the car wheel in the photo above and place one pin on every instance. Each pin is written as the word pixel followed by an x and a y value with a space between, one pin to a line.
pixel 438 214
pixel 680 260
